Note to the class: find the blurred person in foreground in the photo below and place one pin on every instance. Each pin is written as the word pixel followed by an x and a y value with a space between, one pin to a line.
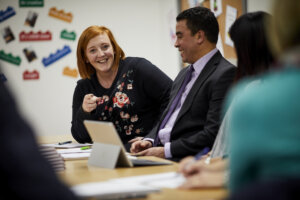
pixel 25 173
pixel 265 139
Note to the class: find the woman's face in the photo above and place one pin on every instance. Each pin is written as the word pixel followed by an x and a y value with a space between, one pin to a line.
pixel 100 53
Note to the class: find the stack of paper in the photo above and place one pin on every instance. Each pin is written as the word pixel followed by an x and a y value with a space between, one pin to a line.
pixel 67 145
pixel 74 153
pixel 53 157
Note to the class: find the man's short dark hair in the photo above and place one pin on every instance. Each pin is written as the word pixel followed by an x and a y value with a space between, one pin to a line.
pixel 201 18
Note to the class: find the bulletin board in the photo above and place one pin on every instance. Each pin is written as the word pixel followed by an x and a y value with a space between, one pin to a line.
pixel 229 51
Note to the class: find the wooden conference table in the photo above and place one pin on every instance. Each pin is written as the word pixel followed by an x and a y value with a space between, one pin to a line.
pixel 77 172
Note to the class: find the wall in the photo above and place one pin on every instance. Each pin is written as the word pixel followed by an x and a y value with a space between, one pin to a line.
pixel 143 28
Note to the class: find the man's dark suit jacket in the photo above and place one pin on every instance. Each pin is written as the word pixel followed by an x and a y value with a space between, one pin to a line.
pixel 25 174
pixel 198 121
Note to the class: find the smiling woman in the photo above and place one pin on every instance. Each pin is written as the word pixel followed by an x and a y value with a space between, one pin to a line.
pixel 114 88
pixel 100 54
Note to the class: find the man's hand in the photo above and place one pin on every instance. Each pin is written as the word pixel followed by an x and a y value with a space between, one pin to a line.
pixel 140 145
pixel 135 139
pixel 154 151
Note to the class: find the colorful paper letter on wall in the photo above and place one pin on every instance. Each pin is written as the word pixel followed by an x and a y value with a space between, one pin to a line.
pixel 9 12
pixel 31 3
pixel 60 14
pixel 56 56
pixel 68 35
pixel 34 75
pixel 10 58
pixel 31 36
pixel 70 72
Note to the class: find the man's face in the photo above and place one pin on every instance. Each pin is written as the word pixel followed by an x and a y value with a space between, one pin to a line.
pixel 186 42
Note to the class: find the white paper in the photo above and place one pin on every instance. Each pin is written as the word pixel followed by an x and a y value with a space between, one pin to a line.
pixel 171 182
pixel 109 189
pixel 67 146
pixel 75 156
pixel 231 13
pixel 73 150
pixel 160 180
pixel 192 3
pixel 77 153
pixel 220 45
pixel 216 7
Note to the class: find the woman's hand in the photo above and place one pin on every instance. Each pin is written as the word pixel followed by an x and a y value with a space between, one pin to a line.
pixel 89 103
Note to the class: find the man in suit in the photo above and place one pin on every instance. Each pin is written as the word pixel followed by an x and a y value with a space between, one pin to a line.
pixel 24 172
pixel 192 124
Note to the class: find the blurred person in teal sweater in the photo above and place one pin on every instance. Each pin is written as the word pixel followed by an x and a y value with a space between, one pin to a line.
pixel 265 123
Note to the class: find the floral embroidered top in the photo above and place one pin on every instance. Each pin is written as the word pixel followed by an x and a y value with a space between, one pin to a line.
pixel 134 102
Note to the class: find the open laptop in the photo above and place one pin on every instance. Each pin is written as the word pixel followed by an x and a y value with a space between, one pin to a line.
pixel 108 150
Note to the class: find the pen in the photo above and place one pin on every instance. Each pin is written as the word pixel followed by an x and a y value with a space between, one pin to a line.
pixel 199 155
pixel 85 148
pixel 66 142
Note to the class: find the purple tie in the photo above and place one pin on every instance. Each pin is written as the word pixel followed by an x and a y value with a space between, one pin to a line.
pixel 187 79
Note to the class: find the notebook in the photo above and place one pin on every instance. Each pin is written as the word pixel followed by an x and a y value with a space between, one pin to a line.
pixel 108 149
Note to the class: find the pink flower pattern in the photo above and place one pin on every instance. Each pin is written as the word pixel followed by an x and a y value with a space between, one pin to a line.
pixel 120 103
